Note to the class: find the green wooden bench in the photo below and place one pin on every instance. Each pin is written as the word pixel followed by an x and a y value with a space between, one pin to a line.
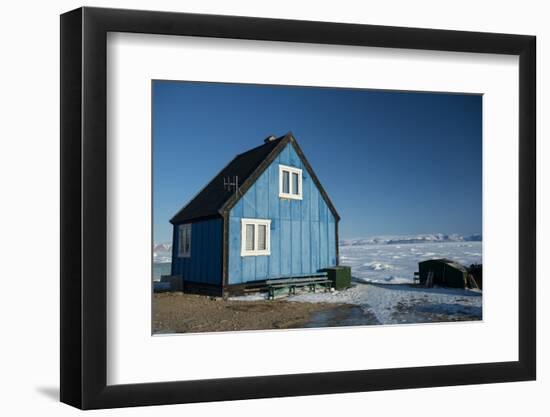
pixel 311 281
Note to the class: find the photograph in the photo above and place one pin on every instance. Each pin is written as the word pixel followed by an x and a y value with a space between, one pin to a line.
pixel 285 207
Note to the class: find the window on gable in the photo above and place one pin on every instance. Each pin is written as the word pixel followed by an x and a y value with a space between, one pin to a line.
pixel 184 242
pixel 255 236
pixel 286 182
pixel 295 183
pixel 290 182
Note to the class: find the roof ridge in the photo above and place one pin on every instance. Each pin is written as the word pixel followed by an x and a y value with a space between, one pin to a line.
pixel 263 144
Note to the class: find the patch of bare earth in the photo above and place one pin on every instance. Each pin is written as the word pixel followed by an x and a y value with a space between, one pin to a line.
pixel 188 313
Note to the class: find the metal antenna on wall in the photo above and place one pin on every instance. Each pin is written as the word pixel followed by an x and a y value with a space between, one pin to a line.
pixel 231 184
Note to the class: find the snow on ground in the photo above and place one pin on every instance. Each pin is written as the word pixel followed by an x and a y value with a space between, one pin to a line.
pixel 376 260
pixel 393 304
pixel 378 264
pixel 396 304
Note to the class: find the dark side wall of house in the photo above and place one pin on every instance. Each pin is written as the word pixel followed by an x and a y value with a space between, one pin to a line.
pixel 205 263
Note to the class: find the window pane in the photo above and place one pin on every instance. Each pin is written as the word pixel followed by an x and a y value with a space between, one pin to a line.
pixel 184 240
pixel 261 237
pixel 295 184
pixel 249 237
pixel 286 182
pixel 181 241
pixel 187 239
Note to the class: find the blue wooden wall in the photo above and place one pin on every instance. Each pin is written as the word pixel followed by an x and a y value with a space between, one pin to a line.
pixel 205 263
pixel 303 232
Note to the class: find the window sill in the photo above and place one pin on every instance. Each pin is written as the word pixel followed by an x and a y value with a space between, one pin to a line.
pixel 290 196
pixel 258 253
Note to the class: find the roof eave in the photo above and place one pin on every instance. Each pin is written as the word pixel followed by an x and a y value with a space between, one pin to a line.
pixel 314 177
pixel 195 219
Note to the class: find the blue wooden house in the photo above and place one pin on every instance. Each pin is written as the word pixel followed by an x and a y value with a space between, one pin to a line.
pixel 264 216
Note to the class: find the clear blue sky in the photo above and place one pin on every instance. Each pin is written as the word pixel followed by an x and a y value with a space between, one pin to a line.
pixel 391 162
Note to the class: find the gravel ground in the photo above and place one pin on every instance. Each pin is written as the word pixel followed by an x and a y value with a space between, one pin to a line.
pixel 187 313
pixel 363 304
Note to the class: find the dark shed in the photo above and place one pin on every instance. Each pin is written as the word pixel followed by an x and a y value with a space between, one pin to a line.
pixel 445 272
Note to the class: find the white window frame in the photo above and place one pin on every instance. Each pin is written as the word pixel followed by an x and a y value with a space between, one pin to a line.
pixel 291 170
pixel 255 251
pixel 184 230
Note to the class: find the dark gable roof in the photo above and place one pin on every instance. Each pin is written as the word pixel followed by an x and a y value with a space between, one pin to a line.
pixel 212 197
pixel 449 262
pixel 213 200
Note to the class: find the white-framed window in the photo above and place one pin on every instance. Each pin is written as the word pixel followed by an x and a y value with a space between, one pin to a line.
pixel 255 237
pixel 184 242
pixel 290 182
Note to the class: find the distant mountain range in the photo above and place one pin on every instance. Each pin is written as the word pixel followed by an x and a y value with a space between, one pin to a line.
pixel 162 247
pixel 162 252
pixel 408 239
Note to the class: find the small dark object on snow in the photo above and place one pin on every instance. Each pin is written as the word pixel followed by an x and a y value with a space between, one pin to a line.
pixel 340 276
pixel 476 271
pixel 443 272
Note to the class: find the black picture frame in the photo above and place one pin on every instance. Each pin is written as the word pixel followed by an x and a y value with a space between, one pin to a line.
pixel 84 207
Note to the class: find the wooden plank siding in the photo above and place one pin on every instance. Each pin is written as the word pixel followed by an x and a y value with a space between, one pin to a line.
pixel 303 232
pixel 205 263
